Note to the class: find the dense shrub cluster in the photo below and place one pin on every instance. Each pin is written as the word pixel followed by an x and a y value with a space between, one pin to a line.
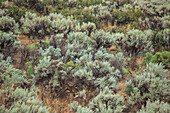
pixel 104 102
pixel 7 23
pixel 76 61
pixel 151 84
pixel 161 39
pixel 156 12
pixel 155 23
pixel 39 27
pixel 153 7
pixel 24 101
pixel 134 42
pixel 9 75
pixel 86 65
pixel 9 44
pixel 12 82
pixel 156 106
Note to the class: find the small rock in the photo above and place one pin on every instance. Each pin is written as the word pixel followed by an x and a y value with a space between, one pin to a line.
pixel 113 48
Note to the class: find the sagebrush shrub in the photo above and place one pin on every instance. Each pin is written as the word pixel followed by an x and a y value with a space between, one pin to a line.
pixel 9 44
pixel 102 38
pixel 151 84
pixel 23 100
pixel 104 102
pixel 8 24
pixel 136 42
pixel 155 106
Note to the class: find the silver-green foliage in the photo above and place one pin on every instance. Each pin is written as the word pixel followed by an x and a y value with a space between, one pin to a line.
pixel 3 12
pixel 118 37
pixel 8 24
pixel 77 38
pixel 60 24
pixel 84 110
pixel 135 42
pixel 72 3
pixel 75 52
pixel 103 55
pixel 8 40
pixel 155 107
pixel 165 21
pixel 54 23
pixel 78 44
pixel 104 74
pixel 10 75
pixel 87 27
pixel 166 36
pixel 104 102
pixel 152 7
pixel 157 12
pixel 156 22
pixel 47 68
pixel 98 67
pixel 151 84
pixel 34 25
pixel 126 7
pixel 19 99
pixel 24 100
pixel 74 106
pixel 42 69
pixel 59 73
pixel 100 71
pixel 50 51
pixel 100 11
pixel 102 38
